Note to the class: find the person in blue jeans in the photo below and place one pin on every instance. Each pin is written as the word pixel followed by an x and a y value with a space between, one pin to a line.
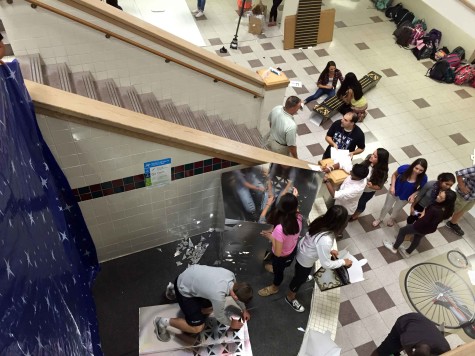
pixel 200 8
pixel 327 82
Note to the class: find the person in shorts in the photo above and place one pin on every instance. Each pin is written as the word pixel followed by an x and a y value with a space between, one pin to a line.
pixel 465 197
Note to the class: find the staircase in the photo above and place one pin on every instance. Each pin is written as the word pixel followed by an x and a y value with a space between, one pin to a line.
pixel 307 23
pixel 83 83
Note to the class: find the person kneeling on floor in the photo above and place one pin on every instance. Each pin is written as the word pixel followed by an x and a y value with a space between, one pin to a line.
pixel 201 290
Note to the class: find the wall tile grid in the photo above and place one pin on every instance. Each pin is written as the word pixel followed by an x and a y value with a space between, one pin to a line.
pixel 59 40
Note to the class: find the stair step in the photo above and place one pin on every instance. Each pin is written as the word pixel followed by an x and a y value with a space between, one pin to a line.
pixel 151 106
pixel 230 130
pixel 108 92
pixel 30 66
pixel 244 134
pixel 170 111
pixel 186 116
pixel 216 125
pixel 85 85
pixel 202 121
pixel 58 76
pixel 257 138
pixel 130 99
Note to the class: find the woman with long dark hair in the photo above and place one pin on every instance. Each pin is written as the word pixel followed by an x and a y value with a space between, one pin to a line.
pixel 287 222
pixel 406 180
pixel 351 92
pixel 431 217
pixel 317 245
pixel 377 164
pixel 428 194
pixel 327 82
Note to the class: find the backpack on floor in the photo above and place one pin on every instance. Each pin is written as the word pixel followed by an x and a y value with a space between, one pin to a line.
pixel 417 34
pixel 398 14
pixel 459 51
pixel 408 16
pixel 441 53
pixel 453 59
pixel 440 71
pixel 403 35
pixel 391 11
pixel 436 37
pixel 463 74
pixel 424 48
pixel 382 4
pixel 422 22
pixel 473 81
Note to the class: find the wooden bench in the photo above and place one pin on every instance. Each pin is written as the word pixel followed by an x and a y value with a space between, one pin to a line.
pixel 331 106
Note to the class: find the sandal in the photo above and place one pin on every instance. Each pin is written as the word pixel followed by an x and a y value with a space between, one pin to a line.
pixel 269 268
pixel 390 222
pixel 376 223
pixel 267 291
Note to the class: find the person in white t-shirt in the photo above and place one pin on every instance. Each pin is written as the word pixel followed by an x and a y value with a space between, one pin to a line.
pixel 351 189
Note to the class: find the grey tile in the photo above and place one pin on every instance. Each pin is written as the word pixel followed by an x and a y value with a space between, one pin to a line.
pixel 366 222
pixel 222 54
pixel 365 349
pixel 290 74
pixel 381 299
pixel 347 314
pixel 427 64
pixel 391 159
pixel 361 46
pixel 421 103
pixel 369 137
pixel 376 19
pixel 316 149
pixel 255 63
pixel 424 245
pixel 327 124
pixel 311 70
pixel 448 234
pixel 245 49
pixel 321 53
pixel 459 139
pixel 389 72
pixel 267 46
pixel 388 255
pixel 278 59
pixel 463 93
pixel 411 151
pixel 401 216
pixel 215 41
pixel 376 113
pixel 340 24
pixel 302 90
pixel 303 129
pixel 300 56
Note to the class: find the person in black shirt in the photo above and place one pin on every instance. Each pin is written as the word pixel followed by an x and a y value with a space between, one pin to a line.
pixel 416 335
pixel 345 135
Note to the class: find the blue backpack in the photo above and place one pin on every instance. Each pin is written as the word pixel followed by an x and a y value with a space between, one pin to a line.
pixel 383 4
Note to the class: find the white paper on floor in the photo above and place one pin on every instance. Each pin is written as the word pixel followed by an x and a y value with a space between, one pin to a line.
pixel 318 344
pixel 216 339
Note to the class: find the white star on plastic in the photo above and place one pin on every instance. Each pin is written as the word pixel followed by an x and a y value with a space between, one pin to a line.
pixel 87 253
pixel 44 182
pixel 31 165
pixel 12 74
pixel 32 220
pixel 68 207
pixel 38 338
pixel 46 166
pixel 43 216
pixel 28 258
pixel 47 302
pixel 10 222
pixel 9 270
pixel 13 168
pixel 63 236
pixel 52 255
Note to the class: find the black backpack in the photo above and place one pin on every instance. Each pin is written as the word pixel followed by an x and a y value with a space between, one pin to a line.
pixel 397 17
pixel 426 51
pixel 460 51
pixel 408 16
pixel 440 71
pixel 391 11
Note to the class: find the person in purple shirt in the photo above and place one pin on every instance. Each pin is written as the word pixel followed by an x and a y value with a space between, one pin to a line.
pixel 431 217
pixel 405 181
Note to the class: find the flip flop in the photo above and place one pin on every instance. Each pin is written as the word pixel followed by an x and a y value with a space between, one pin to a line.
pixel 376 223
pixel 390 222
pixel 267 291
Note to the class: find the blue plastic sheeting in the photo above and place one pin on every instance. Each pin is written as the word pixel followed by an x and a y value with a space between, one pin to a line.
pixel 48 261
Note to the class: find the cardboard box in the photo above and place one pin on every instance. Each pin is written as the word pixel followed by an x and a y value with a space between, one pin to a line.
pixel 289 31
pixel 256 24
pixel 327 23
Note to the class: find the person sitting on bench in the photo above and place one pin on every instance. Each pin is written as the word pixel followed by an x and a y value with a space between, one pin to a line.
pixel 351 92
pixel 327 82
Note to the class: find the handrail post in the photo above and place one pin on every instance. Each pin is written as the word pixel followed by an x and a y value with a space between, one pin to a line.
pixel 234 42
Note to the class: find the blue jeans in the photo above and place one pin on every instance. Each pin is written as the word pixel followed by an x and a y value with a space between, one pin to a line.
pixel 201 5
pixel 319 93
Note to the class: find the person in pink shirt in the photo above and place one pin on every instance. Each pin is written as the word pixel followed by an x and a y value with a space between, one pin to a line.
pixel 284 236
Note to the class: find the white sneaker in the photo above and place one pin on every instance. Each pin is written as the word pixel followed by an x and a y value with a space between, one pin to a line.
pixel 199 14
pixel 161 330
pixel 195 11
pixel 295 305
pixel 170 292
pixel 389 246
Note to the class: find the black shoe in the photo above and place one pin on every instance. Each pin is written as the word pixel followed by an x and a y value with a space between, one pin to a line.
pixel 295 305
pixel 455 228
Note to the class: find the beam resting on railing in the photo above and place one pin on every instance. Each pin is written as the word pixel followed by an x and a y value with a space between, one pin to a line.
pixel 67 106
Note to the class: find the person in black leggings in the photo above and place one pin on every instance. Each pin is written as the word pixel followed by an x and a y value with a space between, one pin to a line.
pixel 273 12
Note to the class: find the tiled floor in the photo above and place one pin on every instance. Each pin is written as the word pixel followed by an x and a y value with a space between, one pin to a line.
pixel 409 114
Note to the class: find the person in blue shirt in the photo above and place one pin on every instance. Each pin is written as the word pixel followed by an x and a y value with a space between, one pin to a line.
pixel 405 181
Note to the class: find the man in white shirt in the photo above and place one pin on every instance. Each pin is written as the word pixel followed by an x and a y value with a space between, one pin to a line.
pixel 351 189
pixel 283 129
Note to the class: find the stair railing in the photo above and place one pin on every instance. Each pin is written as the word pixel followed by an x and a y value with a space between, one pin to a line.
pixel 109 34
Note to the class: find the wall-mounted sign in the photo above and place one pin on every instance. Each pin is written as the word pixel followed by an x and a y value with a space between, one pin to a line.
pixel 157 173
